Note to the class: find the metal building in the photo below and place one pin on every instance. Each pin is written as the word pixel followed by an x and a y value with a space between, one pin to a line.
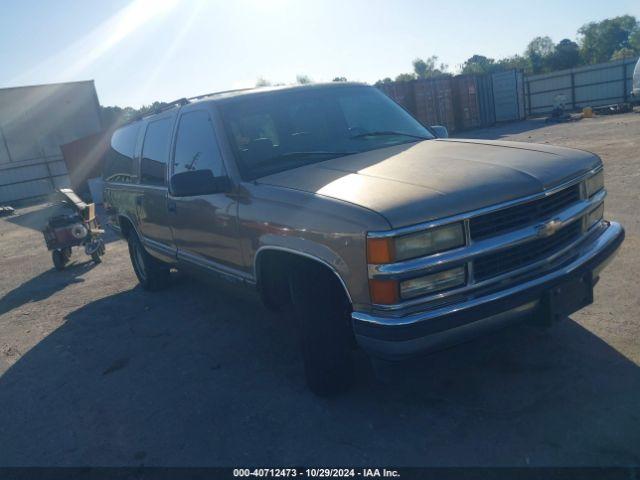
pixel 34 122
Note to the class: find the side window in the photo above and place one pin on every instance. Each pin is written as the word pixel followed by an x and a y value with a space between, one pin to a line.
pixel 119 164
pixel 196 146
pixel 155 152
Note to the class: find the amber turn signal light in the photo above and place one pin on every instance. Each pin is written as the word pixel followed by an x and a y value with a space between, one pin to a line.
pixel 379 250
pixel 384 292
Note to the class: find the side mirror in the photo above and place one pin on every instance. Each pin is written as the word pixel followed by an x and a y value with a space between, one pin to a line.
pixel 440 131
pixel 197 182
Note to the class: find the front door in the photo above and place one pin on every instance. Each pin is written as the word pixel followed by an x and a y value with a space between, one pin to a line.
pixel 204 226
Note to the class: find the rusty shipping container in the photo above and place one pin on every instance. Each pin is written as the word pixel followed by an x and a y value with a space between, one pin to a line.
pixel 465 99
pixel 473 101
pixel 402 93
pixel 434 102
pixel 84 157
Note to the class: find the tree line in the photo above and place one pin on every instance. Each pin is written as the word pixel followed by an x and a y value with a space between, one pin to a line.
pixel 597 42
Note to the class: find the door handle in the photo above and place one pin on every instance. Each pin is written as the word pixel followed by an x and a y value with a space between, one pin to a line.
pixel 171 206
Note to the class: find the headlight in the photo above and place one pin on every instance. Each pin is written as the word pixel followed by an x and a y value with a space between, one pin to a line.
pixel 595 183
pixel 433 283
pixel 595 216
pixel 430 241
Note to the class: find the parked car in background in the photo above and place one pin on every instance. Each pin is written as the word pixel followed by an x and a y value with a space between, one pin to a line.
pixel 332 200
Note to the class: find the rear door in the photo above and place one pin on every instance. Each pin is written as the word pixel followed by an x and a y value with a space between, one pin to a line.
pixel 152 200
pixel 204 226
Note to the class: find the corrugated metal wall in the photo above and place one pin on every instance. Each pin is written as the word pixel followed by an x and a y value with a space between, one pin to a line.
pixel 34 122
pixel 591 86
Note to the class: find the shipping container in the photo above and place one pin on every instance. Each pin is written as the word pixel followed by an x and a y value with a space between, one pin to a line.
pixel 434 102
pixel 508 95
pixel 402 93
pixel 473 101
pixel 486 103
pixel 465 101
pixel 84 157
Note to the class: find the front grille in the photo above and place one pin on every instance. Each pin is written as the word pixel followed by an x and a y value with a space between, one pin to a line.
pixel 504 261
pixel 501 221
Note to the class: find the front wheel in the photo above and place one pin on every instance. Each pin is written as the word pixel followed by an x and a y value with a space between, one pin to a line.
pixel 98 252
pixel 152 273
pixel 95 256
pixel 322 311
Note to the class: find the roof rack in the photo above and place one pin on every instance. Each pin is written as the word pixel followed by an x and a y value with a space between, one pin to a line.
pixel 199 97
pixel 176 103
pixel 180 102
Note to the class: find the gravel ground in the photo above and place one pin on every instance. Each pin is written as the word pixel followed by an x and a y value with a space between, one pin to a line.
pixel 95 371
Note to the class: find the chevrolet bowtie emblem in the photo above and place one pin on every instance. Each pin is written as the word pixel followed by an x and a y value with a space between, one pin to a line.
pixel 549 228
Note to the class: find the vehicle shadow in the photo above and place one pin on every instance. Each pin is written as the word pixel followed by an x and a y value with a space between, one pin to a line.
pixel 44 285
pixel 195 377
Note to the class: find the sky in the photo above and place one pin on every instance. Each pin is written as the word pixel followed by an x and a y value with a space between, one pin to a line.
pixel 140 51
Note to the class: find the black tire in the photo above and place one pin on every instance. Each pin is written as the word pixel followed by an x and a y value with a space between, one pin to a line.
pixel 60 259
pixel 543 322
pixel 322 311
pixel 96 256
pixel 152 274
pixel 275 293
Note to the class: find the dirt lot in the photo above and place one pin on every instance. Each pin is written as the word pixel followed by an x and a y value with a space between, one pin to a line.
pixel 94 371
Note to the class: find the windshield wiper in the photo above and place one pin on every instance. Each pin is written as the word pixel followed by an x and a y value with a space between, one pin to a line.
pixel 381 133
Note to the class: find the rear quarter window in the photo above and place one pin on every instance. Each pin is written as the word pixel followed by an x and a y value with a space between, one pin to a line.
pixel 119 163
pixel 155 152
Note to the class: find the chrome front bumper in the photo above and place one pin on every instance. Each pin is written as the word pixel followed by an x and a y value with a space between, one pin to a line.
pixel 392 337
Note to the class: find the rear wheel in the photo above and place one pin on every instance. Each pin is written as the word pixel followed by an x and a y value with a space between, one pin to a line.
pixel 322 311
pixel 61 257
pixel 152 273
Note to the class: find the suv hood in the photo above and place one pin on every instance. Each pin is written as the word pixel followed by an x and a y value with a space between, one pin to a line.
pixel 432 179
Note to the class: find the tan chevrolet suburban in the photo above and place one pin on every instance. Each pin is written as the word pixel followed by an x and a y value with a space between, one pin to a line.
pixel 377 231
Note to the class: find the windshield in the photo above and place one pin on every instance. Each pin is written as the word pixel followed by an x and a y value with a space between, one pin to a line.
pixel 282 130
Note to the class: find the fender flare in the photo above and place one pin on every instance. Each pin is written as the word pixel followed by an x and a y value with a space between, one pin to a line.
pixel 306 255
